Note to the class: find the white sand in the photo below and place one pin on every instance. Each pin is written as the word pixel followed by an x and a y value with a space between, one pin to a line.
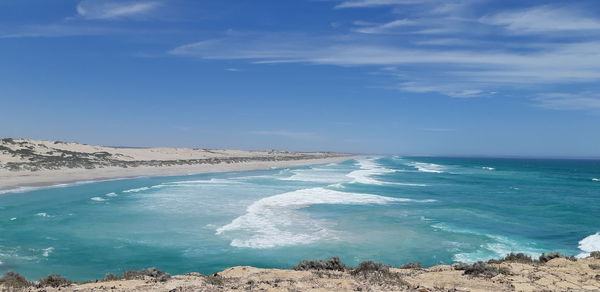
pixel 45 177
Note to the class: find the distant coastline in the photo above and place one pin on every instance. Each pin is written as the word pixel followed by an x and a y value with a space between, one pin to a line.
pixel 26 163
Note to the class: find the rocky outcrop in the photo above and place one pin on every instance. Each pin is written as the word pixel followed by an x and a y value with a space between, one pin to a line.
pixel 558 274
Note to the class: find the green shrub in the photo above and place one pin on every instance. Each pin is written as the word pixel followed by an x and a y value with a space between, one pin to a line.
pixel 332 264
pixel 14 280
pixel 595 254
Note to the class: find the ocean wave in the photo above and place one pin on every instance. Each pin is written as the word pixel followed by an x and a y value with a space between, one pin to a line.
pixel 60 185
pixel 318 175
pixel 111 194
pixel 203 181
pixel 595 179
pixel 98 199
pixel 274 221
pixel 137 190
pixel 499 246
pixel 47 251
pixel 369 168
pixel 42 214
pixel 427 167
pixel 589 244
pixel 488 168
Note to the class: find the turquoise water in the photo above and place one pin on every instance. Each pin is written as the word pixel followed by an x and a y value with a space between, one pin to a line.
pixel 389 209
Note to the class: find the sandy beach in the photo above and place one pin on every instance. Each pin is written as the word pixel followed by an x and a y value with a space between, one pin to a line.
pixel 37 163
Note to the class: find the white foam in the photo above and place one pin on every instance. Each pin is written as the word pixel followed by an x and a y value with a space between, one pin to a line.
pixel 13 218
pixel 111 195
pixel 427 167
pixel 61 185
pixel 369 168
pixel 47 251
pixel 596 179
pixel 499 247
pixel 589 244
pixel 143 189
pixel 319 175
pixel 275 221
pixel 201 182
pixel 488 168
pixel 42 214
pixel 98 199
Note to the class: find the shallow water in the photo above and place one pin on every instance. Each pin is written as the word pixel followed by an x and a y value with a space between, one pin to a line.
pixel 389 209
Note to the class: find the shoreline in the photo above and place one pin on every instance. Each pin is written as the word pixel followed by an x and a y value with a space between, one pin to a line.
pixel 23 181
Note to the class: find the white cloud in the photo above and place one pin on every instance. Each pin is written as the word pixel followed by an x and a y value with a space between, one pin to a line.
pixel 558 63
pixel 372 3
pixel 102 9
pixel 444 48
pixel 386 27
pixel 57 30
pixel 544 19
pixel 445 89
pixel 569 101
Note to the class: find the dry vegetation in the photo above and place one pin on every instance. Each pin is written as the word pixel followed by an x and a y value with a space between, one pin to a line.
pixel 515 272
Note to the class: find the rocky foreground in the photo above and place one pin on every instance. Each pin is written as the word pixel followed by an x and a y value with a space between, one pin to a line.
pixel 513 273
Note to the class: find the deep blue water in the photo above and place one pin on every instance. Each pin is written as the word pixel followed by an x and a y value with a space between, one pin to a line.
pixel 389 209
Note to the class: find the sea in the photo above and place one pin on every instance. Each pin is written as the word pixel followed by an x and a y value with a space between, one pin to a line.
pixel 390 209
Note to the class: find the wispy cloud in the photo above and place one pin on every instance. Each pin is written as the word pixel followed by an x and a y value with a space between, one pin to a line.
pixel 283 133
pixel 102 9
pixel 372 3
pixel 440 48
pixel 569 101
pixel 544 19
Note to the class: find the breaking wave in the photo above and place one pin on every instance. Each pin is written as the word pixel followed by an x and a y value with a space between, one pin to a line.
pixel 589 244
pixel 499 246
pixel 275 221
pixel 427 167
pixel 370 168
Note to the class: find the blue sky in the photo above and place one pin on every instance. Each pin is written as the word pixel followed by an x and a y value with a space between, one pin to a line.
pixel 464 77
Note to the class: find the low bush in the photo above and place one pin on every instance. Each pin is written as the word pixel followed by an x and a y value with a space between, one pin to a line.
pixel 595 254
pixel 370 267
pixel 377 273
pixel 412 265
pixel 155 273
pixel 14 280
pixel 481 269
pixel 544 258
pixel 53 281
pixel 332 264
pixel 513 258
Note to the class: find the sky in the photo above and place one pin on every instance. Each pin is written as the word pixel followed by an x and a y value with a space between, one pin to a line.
pixel 409 77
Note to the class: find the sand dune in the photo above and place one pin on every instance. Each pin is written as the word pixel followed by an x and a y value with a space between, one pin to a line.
pixel 27 162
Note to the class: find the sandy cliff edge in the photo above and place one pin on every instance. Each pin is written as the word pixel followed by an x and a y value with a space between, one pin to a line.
pixel 558 274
